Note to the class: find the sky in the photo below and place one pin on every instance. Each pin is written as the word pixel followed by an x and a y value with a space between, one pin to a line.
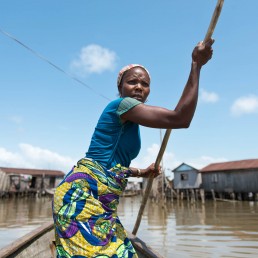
pixel 59 62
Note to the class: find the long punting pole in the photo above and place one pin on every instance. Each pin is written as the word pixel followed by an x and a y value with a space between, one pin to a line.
pixel 208 36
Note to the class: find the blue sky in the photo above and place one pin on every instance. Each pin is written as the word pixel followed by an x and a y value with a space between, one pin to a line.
pixel 47 118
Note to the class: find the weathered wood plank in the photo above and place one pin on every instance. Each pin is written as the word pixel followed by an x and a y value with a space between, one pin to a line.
pixel 31 244
pixel 39 244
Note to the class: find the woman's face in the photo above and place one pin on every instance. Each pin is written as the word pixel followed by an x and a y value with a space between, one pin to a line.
pixel 135 84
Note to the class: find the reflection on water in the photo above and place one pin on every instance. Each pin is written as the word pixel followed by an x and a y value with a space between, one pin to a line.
pixel 20 216
pixel 216 229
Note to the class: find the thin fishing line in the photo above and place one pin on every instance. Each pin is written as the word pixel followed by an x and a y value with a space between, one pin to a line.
pixel 52 64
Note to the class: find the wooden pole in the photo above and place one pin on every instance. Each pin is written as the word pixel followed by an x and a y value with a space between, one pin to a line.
pixel 214 20
pixel 162 176
pixel 149 184
pixel 208 36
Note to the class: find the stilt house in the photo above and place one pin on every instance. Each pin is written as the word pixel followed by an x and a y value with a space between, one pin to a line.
pixel 186 177
pixel 235 177
pixel 20 180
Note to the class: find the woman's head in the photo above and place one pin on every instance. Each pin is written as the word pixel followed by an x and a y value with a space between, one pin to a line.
pixel 134 81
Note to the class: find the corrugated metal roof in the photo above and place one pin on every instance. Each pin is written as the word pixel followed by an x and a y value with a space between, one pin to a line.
pixel 232 165
pixel 184 167
pixel 33 172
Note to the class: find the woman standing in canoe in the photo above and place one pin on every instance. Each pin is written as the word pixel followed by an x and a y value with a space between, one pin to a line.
pixel 85 202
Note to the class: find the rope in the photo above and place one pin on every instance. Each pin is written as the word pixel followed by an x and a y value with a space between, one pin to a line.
pixel 51 63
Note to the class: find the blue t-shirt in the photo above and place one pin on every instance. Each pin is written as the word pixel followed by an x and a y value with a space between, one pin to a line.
pixel 114 142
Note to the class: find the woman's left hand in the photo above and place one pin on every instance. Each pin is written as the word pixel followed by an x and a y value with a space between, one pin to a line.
pixel 150 170
pixel 202 53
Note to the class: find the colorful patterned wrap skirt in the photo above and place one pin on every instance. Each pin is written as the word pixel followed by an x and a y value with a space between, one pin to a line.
pixel 85 213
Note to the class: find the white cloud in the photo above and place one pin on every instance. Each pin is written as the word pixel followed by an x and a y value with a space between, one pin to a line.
pixel 30 156
pixel 34 157
pixel 208 97
pixel 170 161
pixel 245 105
pixel 8 159
pixel 203 161
pixel 94 59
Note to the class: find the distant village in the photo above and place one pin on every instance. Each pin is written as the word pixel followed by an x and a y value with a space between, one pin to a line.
pixel 233 180
pixel 21 182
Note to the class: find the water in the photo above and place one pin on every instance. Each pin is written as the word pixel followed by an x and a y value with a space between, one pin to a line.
pixel 20 216
pixel 216 229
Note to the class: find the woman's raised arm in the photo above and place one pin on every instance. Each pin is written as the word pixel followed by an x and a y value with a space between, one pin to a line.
pixel 181 116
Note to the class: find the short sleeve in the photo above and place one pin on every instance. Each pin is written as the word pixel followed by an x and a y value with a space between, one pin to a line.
pixel 126 104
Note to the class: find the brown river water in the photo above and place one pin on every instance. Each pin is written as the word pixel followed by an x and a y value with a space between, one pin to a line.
pixel 181 229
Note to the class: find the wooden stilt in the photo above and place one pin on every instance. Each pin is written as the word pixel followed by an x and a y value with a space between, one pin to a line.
pixel 213 195
pixel 202 196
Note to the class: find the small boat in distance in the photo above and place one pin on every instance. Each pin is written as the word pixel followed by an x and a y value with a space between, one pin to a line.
pixel 40 244
pixel 129 193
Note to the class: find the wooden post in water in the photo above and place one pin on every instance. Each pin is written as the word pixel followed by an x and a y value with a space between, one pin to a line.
pixel 182 195
pixel 172 195
pixel 192 196
pixel 202 195
pixel 177 194
pixel 213 195
pixel 2 177
pixel 233 196
pixel 239 196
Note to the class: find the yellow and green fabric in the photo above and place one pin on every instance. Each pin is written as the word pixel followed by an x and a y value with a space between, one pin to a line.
pixel 85 213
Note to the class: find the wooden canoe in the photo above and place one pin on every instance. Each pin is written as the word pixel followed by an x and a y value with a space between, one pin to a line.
pixel 39 244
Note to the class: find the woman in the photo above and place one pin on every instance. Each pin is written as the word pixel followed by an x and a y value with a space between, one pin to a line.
pixel 85 202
